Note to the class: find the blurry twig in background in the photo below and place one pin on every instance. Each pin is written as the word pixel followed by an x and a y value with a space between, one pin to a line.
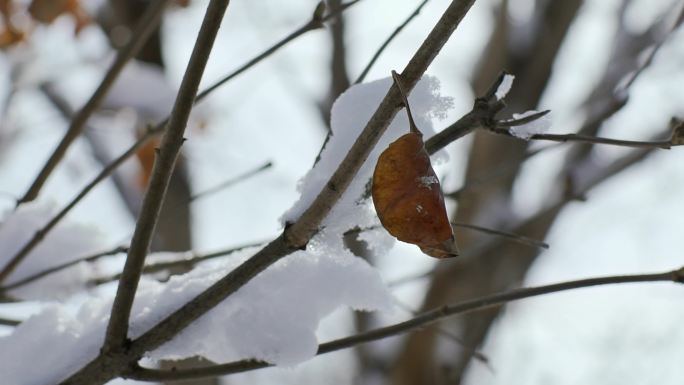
pixel 90 258
pixel 386 43
pixel 505 234
pixel 230 182
pixel 316 22
pixel 189 259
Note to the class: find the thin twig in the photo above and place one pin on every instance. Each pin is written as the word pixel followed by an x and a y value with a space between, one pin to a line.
pixel 190 260
pixel 147 24
pixel 117 329
pixel 563 138
pixel 227 183
pixel 54 269
pixel 508 235
pixel 421 320
pixel 316 22
pixel 389 39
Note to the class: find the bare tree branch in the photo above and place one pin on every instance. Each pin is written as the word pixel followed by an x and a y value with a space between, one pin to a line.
pixel 117 329
pixel 421 320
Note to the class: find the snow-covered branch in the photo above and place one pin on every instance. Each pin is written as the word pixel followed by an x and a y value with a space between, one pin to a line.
pixel 419 321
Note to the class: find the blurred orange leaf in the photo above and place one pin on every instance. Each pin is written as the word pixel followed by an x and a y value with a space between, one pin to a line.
pixel 46 11
pixel 407 195
pixel 146 155
pixel 10 34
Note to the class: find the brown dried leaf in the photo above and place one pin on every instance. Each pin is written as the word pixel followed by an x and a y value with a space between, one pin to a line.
pixel 10 37
pixel 408 197
pixel 46 11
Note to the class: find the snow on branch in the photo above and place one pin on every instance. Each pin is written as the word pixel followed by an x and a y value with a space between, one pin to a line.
pixel 280 300
pixel 526 130
pixel 504 87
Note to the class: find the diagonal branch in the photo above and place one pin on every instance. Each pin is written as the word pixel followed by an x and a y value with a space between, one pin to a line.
pixel 117 329
pixel 143 30
pixel 423 319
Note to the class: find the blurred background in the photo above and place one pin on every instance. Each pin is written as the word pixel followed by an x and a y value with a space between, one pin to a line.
pixel 603 67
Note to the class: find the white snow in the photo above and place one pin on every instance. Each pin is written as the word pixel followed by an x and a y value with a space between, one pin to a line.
pixel 66 242
pixel 273 318
pixel 504 87
pixel 527 130
pixel 427 181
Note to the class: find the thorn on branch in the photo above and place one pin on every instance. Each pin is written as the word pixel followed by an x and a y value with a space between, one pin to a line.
pixel 317 17
pixel 521 121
